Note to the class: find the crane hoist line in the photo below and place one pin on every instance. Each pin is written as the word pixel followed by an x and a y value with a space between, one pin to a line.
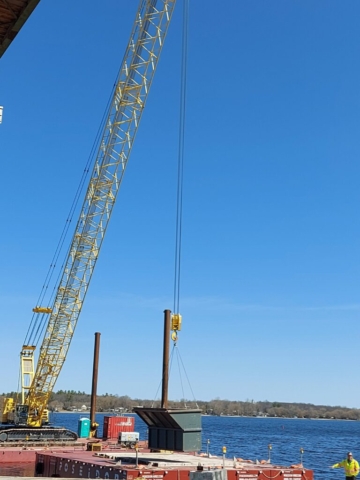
pixel 126 107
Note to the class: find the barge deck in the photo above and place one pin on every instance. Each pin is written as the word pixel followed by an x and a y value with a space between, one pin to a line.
pixel 146 465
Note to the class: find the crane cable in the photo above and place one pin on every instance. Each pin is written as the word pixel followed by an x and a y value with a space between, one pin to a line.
pixel 181 156
pixel 160 383
pixel 180 364
pixel 38 321
pixel 180 193
pixel 180 171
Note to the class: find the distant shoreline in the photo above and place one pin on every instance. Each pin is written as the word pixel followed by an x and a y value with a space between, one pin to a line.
pixel 116 414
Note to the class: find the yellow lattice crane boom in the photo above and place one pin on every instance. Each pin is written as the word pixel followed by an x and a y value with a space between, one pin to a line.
pixel 124 114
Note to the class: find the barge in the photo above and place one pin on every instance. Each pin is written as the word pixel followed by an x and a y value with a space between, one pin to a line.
pixel 146 465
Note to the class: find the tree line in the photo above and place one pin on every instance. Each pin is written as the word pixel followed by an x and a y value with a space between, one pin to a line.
pixel 71 400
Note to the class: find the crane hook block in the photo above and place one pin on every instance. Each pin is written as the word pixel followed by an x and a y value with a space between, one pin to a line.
pixel 42 310
pixel 176 319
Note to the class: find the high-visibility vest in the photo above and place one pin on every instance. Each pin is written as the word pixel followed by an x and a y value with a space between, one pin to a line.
pixel 351 468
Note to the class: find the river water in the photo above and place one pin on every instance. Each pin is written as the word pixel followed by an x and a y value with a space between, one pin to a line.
pixel 324 442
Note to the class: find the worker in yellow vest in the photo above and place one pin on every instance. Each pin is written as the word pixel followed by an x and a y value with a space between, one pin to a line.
pixel 350 465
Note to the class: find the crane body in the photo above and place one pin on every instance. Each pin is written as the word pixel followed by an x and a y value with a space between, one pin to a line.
pixel 129 97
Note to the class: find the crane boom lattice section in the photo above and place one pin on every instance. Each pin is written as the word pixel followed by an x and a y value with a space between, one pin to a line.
pixel 130 94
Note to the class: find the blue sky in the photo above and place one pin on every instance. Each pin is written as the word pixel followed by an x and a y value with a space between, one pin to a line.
pixel 270 244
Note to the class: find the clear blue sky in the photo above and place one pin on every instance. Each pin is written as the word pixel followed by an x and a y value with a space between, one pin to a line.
pixel 270 256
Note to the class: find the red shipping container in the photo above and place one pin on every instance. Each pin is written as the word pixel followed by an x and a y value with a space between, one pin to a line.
pixel 114 425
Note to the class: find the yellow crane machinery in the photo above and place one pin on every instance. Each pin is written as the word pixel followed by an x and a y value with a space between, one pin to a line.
pixel 129 97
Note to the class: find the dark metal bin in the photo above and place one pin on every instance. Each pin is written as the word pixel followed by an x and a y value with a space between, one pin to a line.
pixel 172 429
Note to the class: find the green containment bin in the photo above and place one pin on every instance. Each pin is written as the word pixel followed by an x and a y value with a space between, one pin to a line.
pixel 172 429
pixel 84 428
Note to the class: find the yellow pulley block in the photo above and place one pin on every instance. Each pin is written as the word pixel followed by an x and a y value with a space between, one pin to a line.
pixel 42 310
pixel 176 320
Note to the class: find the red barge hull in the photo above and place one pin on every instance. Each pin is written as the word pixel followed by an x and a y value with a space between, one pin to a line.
pixel 14 455
pixel 170 466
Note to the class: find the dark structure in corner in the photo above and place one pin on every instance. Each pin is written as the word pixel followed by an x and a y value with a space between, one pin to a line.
pixel 13 15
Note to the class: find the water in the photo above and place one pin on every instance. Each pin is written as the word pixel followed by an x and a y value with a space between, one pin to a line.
pixel 325 442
